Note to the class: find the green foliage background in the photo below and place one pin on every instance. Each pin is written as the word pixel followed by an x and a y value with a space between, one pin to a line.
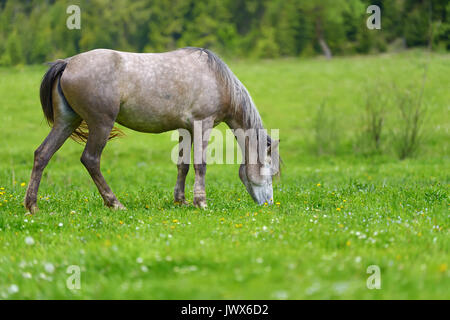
pixel 34 31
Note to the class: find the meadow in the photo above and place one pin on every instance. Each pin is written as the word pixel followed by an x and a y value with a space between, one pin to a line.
pixel 338 208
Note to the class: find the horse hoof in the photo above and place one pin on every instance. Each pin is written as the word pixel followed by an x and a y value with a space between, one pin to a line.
pixel 118 206
pixel 32 209
pixel 201 204
pixel 181 202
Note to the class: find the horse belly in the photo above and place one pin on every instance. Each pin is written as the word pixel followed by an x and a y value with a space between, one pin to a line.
pixel 151 118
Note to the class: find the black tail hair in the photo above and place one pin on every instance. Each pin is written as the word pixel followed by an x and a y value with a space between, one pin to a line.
pixel 55 70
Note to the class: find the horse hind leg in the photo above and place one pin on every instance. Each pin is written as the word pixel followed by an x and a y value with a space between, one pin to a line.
pixel 65 123
pixel 98 104
pixel 98 136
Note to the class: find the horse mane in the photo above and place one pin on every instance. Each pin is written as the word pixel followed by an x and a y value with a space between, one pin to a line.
pixel 240 99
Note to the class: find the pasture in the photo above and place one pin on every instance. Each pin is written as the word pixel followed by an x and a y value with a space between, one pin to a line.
pixel 337 210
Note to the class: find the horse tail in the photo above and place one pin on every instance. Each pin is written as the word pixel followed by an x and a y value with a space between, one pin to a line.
pixel 55 70
pixel 53 74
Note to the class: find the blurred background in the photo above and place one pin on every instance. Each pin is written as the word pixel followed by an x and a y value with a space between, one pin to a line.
pixel 34 31
pixel 314 68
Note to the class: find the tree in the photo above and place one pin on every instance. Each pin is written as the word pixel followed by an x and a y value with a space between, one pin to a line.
pixel 326 17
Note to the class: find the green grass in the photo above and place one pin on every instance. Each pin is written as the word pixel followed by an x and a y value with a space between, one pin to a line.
pixel 337 213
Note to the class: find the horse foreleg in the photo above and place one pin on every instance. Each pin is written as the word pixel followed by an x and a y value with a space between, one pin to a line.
pixel 56 138
pixel 98 136
pixel 178 194
pixel 184 157
pixel 200 163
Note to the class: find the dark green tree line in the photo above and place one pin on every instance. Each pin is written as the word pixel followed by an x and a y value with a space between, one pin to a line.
pixel 33 31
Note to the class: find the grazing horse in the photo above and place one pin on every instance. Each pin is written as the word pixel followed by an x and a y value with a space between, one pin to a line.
pixel 83 96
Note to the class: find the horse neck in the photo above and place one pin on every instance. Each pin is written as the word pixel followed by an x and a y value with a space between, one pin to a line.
pixel 244 114
pixel 244 120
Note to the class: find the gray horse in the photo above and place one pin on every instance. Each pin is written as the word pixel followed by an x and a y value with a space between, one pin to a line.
pixel 83 96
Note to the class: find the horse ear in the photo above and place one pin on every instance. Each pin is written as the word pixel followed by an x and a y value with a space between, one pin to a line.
pixel 273 146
